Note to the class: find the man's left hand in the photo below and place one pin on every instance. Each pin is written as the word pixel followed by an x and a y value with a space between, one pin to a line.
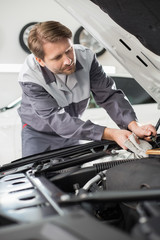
pixel 142 131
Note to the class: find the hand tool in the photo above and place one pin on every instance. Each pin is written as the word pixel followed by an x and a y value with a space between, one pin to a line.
pixel 153 138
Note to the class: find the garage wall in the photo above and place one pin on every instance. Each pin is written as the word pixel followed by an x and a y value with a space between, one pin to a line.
pixel 14 15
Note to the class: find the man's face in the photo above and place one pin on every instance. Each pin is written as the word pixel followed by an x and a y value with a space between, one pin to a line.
pixel 59 57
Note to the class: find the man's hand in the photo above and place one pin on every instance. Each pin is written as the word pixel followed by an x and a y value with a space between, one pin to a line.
pixel 117 135
pixel 120 136
pixel 142 131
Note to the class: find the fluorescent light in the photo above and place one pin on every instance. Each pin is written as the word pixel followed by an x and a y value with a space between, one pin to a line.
pixel 10 68
pixel 109 69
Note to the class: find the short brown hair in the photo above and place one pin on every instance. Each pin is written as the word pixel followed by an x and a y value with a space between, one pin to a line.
pixel 50 31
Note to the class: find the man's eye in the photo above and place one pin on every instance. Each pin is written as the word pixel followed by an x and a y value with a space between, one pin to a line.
pixel 58 57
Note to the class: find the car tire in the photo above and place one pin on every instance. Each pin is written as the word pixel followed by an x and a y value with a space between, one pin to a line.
pixel 83 37
pixel 23 36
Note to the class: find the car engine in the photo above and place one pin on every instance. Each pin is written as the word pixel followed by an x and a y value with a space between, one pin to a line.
pixel 89 191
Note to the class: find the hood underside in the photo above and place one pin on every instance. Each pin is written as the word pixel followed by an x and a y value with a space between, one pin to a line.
pixel 139 17
pixel 129 30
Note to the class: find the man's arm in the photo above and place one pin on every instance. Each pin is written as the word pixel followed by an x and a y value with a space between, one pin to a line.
pixel 108 97
pixel 118 107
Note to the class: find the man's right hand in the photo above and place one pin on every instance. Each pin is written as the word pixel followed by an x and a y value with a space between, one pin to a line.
pixel 117 135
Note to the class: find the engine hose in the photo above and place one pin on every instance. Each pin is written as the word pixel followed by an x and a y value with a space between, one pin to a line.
pixel 101 168
pixel 106 165
pixel 95 179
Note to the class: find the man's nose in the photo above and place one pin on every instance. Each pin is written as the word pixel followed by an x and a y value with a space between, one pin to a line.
pixel 67 61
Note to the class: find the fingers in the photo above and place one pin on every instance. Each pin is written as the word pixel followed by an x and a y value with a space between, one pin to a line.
pixel 145 131
pixel 149 130
pixel 138 149
pixel 124 147
pixel 118 135
pixel 137 139
pixel 150 138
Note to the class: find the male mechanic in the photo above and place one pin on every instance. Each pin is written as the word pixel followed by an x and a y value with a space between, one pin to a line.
pixel 56 81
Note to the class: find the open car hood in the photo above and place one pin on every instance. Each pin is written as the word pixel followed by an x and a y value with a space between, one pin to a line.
pixel 129 30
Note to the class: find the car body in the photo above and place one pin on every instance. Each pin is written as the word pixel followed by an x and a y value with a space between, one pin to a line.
pixel 94 190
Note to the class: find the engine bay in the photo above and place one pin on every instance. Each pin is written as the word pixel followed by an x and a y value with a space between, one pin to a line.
pixel 78 187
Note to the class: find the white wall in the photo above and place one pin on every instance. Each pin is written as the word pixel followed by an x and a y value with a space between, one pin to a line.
pixel 14 15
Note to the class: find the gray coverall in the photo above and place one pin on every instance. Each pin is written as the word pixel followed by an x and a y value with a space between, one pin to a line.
pixel 51 110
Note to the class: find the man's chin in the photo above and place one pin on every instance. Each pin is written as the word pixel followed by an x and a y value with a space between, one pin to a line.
pixel 69 70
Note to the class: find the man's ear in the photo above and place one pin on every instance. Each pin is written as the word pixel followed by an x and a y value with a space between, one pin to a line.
pixel 40 61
